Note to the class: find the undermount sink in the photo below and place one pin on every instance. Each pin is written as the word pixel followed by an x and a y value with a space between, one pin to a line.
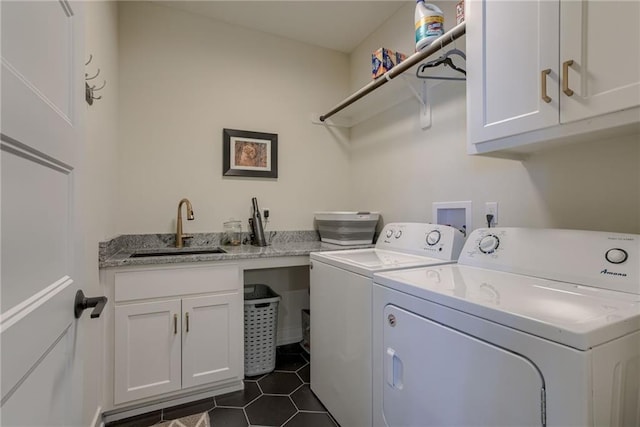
pixel 169 252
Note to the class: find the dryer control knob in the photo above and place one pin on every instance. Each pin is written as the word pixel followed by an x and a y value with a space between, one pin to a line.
pixel 389 233
pixel 398 234
pixel 488 244
pixel 433 237
pixel 616 256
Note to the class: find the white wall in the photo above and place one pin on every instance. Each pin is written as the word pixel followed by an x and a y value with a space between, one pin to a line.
pixel 100 163
pixel 183 79
pixel 401 170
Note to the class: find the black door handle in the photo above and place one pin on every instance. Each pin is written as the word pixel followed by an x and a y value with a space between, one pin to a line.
pixel 82 303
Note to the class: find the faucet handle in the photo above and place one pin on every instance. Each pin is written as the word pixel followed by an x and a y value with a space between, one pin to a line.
pixel 187 236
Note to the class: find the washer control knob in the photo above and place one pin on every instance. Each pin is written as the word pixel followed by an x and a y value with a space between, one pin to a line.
pixel 616 256
pixel 488 244
pixel 433 237
pixel 398 234
pixel 389 233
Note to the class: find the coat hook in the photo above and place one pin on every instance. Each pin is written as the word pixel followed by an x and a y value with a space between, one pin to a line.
pixel 90 89
pixel 88 94
pixel 91 78
pixel 95 89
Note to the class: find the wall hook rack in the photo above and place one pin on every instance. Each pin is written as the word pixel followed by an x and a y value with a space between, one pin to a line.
pixel 89 92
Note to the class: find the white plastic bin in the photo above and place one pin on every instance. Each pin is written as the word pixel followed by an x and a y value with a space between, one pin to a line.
pixel 260 329
pixel 347 228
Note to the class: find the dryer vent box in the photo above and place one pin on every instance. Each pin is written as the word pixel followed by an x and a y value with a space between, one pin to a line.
pixel 347 228
pixel 454 214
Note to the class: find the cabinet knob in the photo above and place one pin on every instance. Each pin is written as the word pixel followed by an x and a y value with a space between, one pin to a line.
pixel 565 77
pixel 543 85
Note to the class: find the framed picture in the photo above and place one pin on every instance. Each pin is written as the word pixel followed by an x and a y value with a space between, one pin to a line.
pixel 246 153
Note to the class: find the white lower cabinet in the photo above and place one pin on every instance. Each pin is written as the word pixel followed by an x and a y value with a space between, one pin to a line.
pixel 209 353
pixel 147 349
pixel 175 329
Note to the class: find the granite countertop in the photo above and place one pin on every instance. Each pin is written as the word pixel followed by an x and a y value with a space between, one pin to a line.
pixel 117 252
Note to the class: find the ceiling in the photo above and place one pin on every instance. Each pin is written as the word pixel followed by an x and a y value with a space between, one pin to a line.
pixel 338 25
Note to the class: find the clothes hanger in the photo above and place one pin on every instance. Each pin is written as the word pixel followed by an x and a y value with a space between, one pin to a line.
pixel 447 62
pixel 454 51
pixel 444 59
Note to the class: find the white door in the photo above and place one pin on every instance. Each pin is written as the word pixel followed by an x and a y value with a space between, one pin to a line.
pixel 147 349
pixel 509 45
pixel 605 73
pixel 436 376
pixel 42 132
pixel 210 339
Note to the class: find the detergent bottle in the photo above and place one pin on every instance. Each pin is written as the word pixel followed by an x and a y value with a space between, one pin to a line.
pixel 429 22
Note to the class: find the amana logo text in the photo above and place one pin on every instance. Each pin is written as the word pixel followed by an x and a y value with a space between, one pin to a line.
pixel 613 273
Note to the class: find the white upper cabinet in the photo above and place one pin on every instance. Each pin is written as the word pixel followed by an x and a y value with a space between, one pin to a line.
pixel 602 40
pixel 508 45
pixel 536 70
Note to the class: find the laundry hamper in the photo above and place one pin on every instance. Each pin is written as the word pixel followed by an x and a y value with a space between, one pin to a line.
pixel 260 327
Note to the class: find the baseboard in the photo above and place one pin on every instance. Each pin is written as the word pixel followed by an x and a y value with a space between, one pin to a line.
pixel 97 418
pixel 134 410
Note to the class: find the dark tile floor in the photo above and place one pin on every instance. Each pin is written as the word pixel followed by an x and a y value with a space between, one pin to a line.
pixel 280 398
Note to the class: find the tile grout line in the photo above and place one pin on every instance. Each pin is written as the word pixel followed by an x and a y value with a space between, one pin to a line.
pixel 296 413
pixel 292 369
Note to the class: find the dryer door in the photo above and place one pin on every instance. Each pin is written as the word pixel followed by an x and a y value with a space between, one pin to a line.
pixel 437 376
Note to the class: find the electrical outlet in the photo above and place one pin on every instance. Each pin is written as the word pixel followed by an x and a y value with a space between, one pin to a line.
pixel 491 208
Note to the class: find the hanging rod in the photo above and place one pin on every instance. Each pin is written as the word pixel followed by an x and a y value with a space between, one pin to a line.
pixel 448 37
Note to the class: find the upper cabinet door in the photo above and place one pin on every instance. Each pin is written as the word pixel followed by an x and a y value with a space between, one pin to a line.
pixel 601 38
pixel 509 45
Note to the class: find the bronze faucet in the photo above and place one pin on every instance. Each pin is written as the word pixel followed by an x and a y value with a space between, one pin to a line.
pixel 179 236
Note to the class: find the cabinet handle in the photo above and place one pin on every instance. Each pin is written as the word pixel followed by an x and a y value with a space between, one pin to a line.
pixel 187 316
pixel 175 324
pixel 565 77
pixel 543 83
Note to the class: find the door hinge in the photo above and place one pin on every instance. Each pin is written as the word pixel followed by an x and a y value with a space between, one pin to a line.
pixel 543 407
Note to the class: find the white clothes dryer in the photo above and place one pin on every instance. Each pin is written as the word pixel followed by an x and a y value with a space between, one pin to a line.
pixel 530 328
pixel 340 303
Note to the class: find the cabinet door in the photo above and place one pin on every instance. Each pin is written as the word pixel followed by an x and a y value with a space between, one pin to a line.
pixel 509 44
pixel 147 349
pixel 602 38
pixel 211 339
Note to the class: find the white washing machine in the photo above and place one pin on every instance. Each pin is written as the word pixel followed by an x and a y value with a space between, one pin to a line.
pixel 530 328
pixel 340 302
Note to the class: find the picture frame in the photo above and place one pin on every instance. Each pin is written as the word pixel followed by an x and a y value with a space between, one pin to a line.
pixel 249 154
